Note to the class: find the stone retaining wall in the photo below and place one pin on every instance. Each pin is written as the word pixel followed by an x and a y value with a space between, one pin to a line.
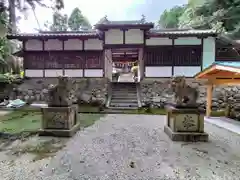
pixel 36 89
pixel 157 92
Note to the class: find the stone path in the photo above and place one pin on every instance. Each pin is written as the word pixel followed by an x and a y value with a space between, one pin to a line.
pixel 134 147
pixel 223 122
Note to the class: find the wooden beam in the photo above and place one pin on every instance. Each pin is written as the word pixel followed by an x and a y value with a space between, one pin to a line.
pixel 223 76
pixel 225 81
pixel 205 72
pixel 209 99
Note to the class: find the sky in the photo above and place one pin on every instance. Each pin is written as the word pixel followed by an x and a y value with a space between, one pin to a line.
pixel 94 10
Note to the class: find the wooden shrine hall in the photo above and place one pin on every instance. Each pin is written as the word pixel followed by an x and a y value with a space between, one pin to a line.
pixel 158 53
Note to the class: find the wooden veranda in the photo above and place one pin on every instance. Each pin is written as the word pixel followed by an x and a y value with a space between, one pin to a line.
pixel 219 73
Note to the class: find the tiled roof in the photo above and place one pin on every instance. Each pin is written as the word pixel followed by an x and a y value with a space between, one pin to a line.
pixel 105 21
pixel 55 34
pixel 180 32
pixel 137 22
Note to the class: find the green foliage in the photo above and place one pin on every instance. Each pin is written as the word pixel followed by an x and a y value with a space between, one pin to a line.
pixel 9 78
pixel 77 20
pixel 59 22
pixel 169 18
pixel 223 16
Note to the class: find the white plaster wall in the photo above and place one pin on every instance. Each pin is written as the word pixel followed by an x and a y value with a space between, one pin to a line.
pixel 158 41
pixel 93 44
pixel 53 72
pixel 114 36
pixel 53 44
pixel 34 45
pixel 33 73
pixel 134 36
pixel 73 44
pixel 188 71
pixel 187 41
pixel 209 51
pixel 73 72
pixel 93 73
pixel 158 71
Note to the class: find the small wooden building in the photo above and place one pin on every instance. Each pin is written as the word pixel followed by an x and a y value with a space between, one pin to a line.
pixel 159 53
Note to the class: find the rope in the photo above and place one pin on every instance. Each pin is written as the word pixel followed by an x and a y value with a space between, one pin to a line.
pixel 128 63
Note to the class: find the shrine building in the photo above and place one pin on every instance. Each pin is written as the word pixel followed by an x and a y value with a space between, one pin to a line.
pixel 91 53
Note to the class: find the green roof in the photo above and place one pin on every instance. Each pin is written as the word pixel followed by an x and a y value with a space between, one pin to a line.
pixel 230 63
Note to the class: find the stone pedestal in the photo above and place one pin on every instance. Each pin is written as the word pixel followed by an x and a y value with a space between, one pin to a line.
pixel 185 124
pixel 60 121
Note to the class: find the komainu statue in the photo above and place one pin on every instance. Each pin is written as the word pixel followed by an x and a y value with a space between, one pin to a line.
pixel 61 94
pixel 184 94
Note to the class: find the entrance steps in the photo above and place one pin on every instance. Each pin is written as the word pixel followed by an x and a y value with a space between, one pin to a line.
pixel 124 96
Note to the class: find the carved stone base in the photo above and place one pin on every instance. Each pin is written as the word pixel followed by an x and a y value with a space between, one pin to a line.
pixel 60 121
pixel 186 136
pixel 185 124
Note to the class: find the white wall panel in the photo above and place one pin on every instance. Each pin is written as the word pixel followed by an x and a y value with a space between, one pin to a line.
pixel 53 44
pixel 93 73
pixel 114 36
pixel 188 71
pixel 158 71
pixel 73 72
pixel 158 41
pixel 93 44
pixel 134 36
pixel 33 73
pixel 53 72
pixel 187 41
pixel 34 45
pixel 73 44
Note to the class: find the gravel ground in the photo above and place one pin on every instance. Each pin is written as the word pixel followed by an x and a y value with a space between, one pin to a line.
pixel 134 147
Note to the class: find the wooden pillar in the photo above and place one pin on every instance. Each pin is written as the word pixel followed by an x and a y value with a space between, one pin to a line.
pixel 209 99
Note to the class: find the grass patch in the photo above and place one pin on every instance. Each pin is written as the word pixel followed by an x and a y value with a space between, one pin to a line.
pixel 88 109
pixel 87 120
pixel 22 121
pixel 41 150
pixel 218 113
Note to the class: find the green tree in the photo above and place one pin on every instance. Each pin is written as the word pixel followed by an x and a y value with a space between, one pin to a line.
pixel 8 62
pixel 169 18
pixel 59 22
pixel 223 16
pixel 77 20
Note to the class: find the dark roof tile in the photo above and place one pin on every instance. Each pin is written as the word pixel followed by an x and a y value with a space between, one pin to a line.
pixel 92 33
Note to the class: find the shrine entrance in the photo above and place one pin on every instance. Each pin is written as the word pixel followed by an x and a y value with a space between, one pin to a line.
pixel 125 65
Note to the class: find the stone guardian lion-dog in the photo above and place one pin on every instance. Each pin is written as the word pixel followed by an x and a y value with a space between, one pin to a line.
pixel 184 94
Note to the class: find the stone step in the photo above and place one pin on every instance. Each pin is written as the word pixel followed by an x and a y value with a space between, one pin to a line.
pixel 124 90
pixel 123 87
pixel 128 87
pixel 122 96
pixel 122 108
pixel 112 104
pixel 124 101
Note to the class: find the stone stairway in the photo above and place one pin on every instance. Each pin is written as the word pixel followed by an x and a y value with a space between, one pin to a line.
pixel 124 96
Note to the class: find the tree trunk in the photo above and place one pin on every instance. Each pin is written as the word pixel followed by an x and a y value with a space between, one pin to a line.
pixel 12 17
